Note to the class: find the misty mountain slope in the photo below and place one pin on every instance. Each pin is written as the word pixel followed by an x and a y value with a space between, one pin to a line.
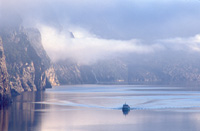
pixel 34 37
pixel 171 67
pixel 91 60
pixel 102 72
pixel 68 72
pixel 167 68
pixel 110 71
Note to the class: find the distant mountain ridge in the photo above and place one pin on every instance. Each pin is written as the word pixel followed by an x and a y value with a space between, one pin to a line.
pixel 182 68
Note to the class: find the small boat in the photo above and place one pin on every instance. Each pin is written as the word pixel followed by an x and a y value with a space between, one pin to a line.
pixel 125 109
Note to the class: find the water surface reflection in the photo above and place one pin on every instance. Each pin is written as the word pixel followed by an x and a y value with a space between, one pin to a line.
pixel 20 115
pixel 89 108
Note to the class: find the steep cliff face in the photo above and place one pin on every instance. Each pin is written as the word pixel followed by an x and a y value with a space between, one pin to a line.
pixel 25 67
pixel 4 84
pixel 34 37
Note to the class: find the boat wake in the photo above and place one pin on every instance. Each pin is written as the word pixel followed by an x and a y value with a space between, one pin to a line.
pixel 82 106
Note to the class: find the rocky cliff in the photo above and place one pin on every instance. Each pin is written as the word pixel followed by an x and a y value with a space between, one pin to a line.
pixel 27 63
pixel 4 83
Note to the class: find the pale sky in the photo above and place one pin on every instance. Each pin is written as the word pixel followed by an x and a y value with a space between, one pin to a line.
pixel 115 19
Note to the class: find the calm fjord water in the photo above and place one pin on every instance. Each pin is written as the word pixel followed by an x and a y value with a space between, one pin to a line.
pixel 99 108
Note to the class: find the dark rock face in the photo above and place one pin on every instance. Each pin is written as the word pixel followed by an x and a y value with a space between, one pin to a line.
pixel 5 97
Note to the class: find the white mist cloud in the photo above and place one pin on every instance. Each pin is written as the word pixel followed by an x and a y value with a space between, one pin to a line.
pixel 87 48
pixel 182 44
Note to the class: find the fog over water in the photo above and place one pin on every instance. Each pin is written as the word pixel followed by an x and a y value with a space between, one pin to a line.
pixel 106 29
